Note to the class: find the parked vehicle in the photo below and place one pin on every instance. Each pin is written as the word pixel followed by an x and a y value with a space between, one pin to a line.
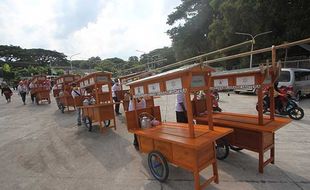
pixel 290 106
pixel 251 90
pixel 296 79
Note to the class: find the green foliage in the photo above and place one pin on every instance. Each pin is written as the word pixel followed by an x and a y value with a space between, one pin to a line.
pixel 205 25
pixel 6 68
pixel 12 54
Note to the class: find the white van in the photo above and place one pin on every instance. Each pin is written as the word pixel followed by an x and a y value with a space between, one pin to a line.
pixel 298 79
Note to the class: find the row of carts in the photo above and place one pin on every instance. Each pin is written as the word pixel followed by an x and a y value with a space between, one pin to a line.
pixel 193 145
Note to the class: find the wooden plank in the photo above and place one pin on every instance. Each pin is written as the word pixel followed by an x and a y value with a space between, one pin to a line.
pixel 245 121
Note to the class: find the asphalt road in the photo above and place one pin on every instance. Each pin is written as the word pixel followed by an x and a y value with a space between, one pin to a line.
pixel 41 148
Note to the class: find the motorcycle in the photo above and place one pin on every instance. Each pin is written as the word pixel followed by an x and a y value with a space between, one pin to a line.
pixel 290 106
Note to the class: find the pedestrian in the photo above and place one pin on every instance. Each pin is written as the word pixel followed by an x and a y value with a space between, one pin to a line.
pixel 23 90
pixel 32 95
pixel 180 108
pixel 7 93
pixel 76 92
pixel 116 87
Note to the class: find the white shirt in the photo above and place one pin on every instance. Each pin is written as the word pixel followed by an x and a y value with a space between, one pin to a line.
pixel 139 105
pixel 180 99
pixel 116 87
pixel 22 88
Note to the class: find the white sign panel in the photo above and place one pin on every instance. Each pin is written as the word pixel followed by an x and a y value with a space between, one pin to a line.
pixel 174 84
pixel 220 82
pixel 198 81
pixel 243 81
pixel 139 90
pixel 153 88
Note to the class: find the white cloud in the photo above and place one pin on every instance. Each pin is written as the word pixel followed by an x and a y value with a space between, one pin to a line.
pixel 114 28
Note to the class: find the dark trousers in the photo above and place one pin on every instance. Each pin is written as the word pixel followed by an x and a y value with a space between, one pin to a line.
pixel 32 97
pixel 23 95
pixel 117 104
pixel 181 117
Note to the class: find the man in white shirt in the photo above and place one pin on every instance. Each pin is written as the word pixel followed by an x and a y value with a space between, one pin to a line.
pixel 116 87
pixel 180 109
pixel 75 93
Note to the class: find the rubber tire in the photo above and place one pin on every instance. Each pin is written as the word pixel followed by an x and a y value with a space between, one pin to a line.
pixel 164 164
pixel 235 148
pixel 107 123
pixel 88 123
pixel 301 112
pixel 223 144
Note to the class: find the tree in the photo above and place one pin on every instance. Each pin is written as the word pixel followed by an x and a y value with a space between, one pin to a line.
pixel 211 24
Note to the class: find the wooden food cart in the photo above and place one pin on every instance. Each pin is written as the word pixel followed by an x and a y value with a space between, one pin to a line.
pixel 252 132
pixel 189 146
pixel 97 86
pixel 40 89
pixel 62 91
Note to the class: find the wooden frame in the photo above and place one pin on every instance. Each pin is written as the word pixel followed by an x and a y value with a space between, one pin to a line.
pixel 192 148
pixel 39 89
pixel 255 133
pixel 91 86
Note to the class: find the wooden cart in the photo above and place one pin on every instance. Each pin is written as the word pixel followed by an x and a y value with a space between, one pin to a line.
pixel 62 91
pixel 251 132
pixel 97 86
pixel 40 89
pixel 185 145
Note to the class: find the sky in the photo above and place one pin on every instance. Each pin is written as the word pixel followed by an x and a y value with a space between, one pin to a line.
pixel 84 28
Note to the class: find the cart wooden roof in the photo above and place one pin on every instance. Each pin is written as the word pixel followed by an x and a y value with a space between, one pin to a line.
pixel 38 79
pixel 68 78
pixel 172 80
pixel 243 78
pixel 101 77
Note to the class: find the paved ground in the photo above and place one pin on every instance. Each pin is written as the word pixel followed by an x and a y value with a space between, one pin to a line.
pixel 40 148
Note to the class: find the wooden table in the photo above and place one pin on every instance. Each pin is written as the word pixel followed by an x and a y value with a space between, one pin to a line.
pixel 175 143
pixel 248 134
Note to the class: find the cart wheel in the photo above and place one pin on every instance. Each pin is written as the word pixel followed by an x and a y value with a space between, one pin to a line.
pixel 88 123
pixel 106 123
pixel 222 149
pixel 62 108
pixel 158 166
pixel 235 148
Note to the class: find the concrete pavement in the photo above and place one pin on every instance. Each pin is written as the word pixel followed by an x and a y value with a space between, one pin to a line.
pixel 41 148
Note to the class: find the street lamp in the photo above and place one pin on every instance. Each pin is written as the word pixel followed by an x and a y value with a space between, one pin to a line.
pixel 253 41
pixel 71 61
